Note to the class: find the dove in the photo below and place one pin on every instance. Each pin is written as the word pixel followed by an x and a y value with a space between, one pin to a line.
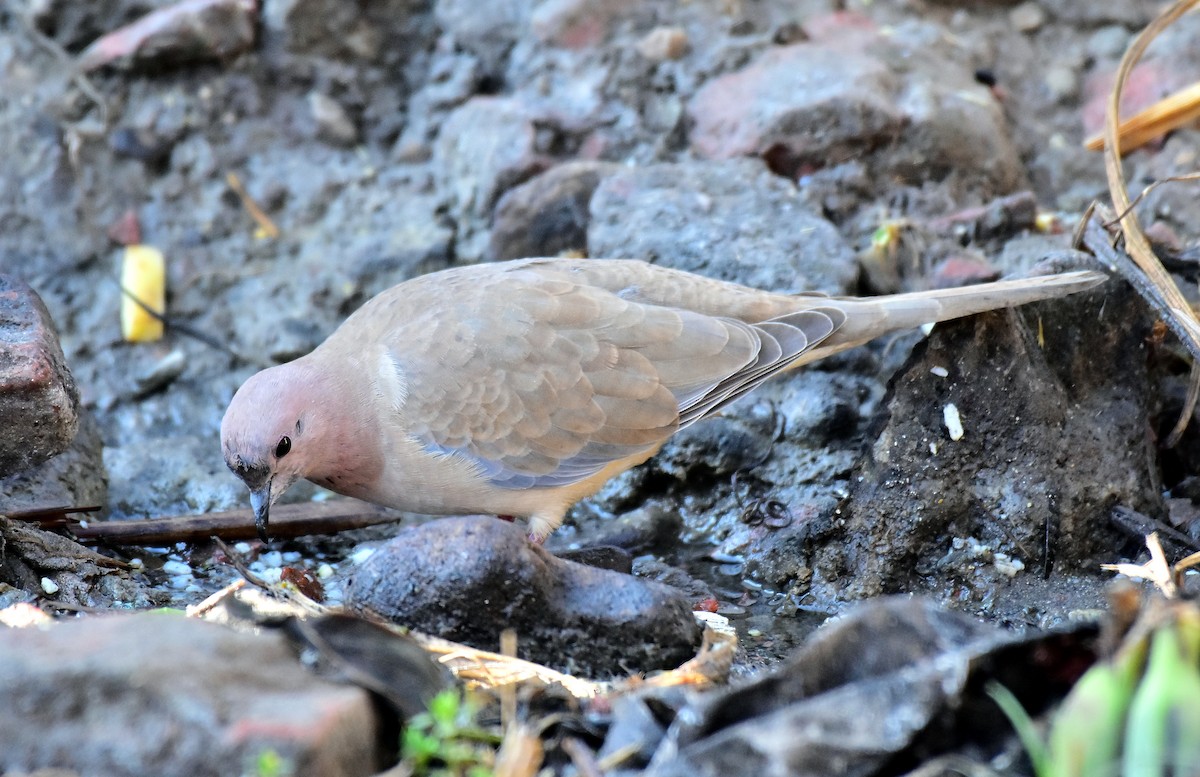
pixel 518 388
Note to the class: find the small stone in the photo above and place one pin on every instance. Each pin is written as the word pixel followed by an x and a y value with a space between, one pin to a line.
pixel 1108 43
pixel 1027 17
pixel 547 214
pixel 162 374
pixel 333 123
pixel 663 43
pixel 1062 82
pixel 49 586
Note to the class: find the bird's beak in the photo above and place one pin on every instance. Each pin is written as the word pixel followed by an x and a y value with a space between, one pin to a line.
pixel 260 501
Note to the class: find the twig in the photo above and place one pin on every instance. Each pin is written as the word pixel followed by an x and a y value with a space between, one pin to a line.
pixel 81 80
pixel 582 757
pixel 1179 314
pixel 49 516
pixel 260 217
pixel 295 520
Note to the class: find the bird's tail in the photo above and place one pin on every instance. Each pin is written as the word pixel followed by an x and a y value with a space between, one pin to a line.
pixel 869 318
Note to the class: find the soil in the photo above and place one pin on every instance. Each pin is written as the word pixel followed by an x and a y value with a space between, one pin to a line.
pixel 380 140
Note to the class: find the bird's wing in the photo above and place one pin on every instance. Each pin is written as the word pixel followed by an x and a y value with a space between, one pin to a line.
pixel 543 378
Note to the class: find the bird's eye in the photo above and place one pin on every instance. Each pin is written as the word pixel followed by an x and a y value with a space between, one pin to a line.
pixel 285 445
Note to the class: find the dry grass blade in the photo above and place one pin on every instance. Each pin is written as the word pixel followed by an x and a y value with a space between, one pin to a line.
pixel 1156 570
pixel 1170 113
pixel 1136 242
pixel 492 670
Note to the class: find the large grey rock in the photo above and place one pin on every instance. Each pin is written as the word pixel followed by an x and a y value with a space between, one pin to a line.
pixel 132 695
pixel 732 220
pixel 39 404
pixel 469 578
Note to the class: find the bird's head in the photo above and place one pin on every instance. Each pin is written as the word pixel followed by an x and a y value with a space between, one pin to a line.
pixel 267 436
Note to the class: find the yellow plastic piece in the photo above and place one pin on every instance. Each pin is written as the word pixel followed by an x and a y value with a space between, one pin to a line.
pixel 143 275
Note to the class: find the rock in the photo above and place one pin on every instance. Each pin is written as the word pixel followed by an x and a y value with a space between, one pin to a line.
pixel 469 578
pixel 732 220
pixel 487 30
pixel 333 123
pixel 1027 17
pixel 547 214
pixel 328 28
pixel 1029 414
pixel 485 147
pixel 39 404
pixel 902 101
pixel 575 24
pixel 74 478
pixel 962 270
pixel 178 475
pixel 53 567
pixel 180 33
pixel 663 43
pixel 803 105
pixel 859 692
pixel 205 700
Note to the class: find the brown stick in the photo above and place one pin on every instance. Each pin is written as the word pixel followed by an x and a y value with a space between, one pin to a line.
pixel 287 521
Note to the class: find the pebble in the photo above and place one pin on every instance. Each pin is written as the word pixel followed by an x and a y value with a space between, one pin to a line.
pixel 663 43
pixel 1108 43
pixel 1027 17
pixel 162 374
pixel 361 555
pixel 177 568
pixel 49 586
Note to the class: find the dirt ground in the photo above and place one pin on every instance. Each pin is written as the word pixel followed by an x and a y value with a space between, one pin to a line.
pixel 393 138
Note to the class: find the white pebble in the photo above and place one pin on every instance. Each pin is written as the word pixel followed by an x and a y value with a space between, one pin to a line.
pixel 953 421
pixel 181 582
pixel 361 555
pixel 1006 565
pixel 272 558
pixel 271 575
pixel 941 372
pixel 324 571
pixel 291 557
pixel 49 586
pixel 177 569
pixel 242 547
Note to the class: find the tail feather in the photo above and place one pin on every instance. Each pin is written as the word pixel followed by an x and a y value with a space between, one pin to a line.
pixel 869 318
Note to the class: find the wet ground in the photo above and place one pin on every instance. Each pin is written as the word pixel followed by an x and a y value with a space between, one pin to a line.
pixel 403 137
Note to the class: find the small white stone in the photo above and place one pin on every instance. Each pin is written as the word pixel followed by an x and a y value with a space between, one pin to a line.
pixel 361 555
pixel 941 372
pixel 177 569
pixel 953 421
pixel 1006 565
pixel 272 558
pixel 242 547
pixel 324 571
pixel 49 586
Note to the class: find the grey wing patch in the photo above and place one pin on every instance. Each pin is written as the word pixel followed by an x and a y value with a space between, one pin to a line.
pixel 784 339
pixel 498 473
